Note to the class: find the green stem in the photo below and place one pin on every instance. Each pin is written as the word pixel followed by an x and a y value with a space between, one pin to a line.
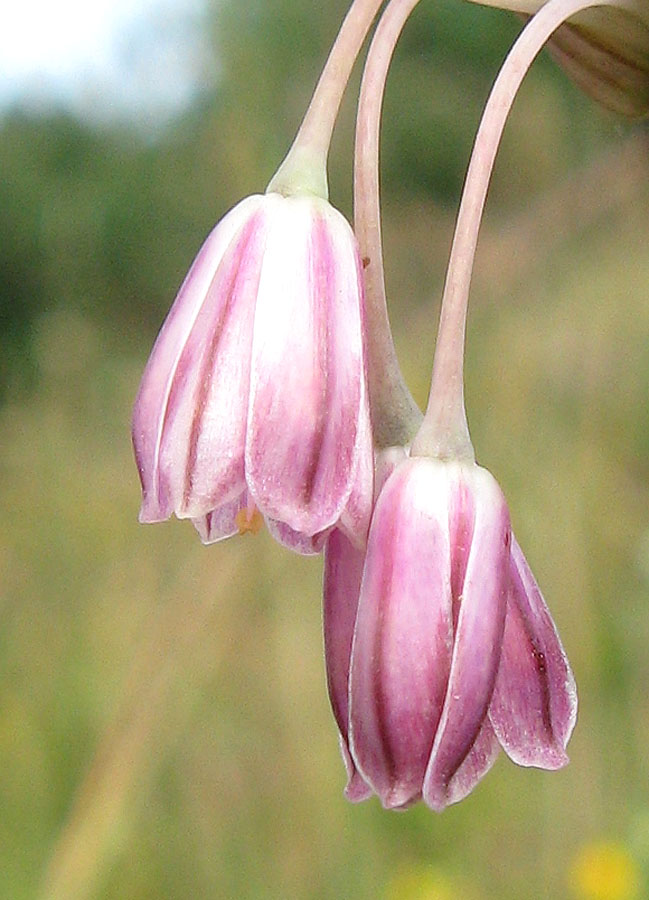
pixel 395 415
pixel 444 432
pixel 304 169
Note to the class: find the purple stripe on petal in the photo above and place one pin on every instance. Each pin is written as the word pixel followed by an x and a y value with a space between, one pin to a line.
pixel 306 544
pixel 480 758
pixel 402 643
pixel 202 446
pixel 534 705
pixel 343 572
pixel 478 637
pixel 221 522
pixel 307 368
pixel 355 517
pixel 151 406
pixel 356 789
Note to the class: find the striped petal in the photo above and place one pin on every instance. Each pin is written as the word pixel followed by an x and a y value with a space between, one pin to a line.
pixel 355 517
pixel 221 523
pixel 307 367
pixel 480 758
pixel 402 646
pixel 534 704
pixel 343 572
pixel 305 544
pixel 479 522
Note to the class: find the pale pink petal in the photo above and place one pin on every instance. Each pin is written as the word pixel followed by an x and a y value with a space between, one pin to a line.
pixel 169 364
pixel 480 758
pixel 356 789
pixel 403 639
pixel 307 367
pixel 355 517
pixel 208 401
pixel 481 594
pixel 306 544
pixel 343 571
pixel 534 704
pixel 221 522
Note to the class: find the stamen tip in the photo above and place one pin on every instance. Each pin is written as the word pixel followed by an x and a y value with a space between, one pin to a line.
pixel 249 520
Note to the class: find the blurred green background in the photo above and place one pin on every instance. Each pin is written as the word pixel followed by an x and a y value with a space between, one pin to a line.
pixel 165 730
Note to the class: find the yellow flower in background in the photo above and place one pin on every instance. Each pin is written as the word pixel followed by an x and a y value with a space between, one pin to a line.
pixel 605 870
pixel 421 882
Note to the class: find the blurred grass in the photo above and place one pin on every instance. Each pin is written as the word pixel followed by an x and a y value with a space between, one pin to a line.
pixel 165 731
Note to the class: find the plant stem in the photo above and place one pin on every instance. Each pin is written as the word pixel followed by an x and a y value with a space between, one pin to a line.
pixel 395 415
pixel 304 170
pixel 444 432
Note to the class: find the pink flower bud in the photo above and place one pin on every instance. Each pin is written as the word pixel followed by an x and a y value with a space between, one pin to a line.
pixel 439 647
pixel 255 391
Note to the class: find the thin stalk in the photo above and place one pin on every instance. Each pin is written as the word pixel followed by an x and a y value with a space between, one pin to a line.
pixel 305 167
pixel 444 432
pixel 395 415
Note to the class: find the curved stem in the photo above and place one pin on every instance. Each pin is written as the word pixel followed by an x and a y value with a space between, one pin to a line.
pixel 395 415
pixel 444 432
pixel 305 167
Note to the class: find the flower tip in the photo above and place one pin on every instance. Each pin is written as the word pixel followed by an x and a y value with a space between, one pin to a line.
pixel 438 795
pixel 357 538
pixel 534 705
pixel 549 758
pixel 557 760
pixel 152 512
pixel 201 524
pixel 397 792
pixel 438 802
pixel 357 788
pixel 305 544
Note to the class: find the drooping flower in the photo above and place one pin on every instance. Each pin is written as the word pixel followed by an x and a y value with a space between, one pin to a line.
pixel 439 646
pixel 254 401
pixel 254 396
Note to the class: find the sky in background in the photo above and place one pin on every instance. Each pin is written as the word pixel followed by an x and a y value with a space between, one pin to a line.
pixel 104 58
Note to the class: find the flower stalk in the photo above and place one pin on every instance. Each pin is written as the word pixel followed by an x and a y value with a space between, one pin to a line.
pixel 444 432
pixel 304 169
pixel 395 415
